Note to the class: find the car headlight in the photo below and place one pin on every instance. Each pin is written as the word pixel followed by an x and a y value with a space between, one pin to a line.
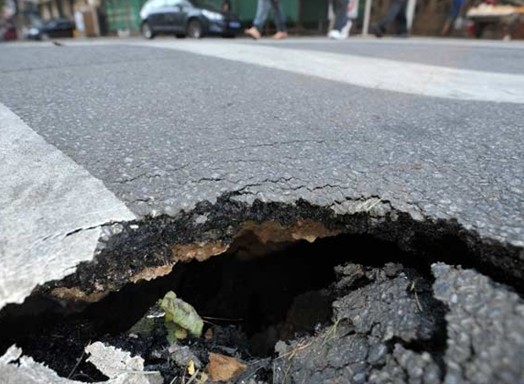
pixel 212 15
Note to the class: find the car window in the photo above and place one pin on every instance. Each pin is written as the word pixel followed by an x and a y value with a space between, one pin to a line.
pixel 155 4
pixel 205 4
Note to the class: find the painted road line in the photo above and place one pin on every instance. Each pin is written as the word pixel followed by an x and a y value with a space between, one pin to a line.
pixel 383 74
pixel 44 196
pixel 394 41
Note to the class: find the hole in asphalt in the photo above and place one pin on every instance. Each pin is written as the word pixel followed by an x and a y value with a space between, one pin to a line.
pixel 265 288
pixel 250 298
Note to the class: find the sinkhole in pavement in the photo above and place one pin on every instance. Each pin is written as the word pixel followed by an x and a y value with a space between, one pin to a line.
pixel 249 297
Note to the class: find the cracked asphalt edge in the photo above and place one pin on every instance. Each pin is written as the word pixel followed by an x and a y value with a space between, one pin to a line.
pixel 51 211
pixel 150 247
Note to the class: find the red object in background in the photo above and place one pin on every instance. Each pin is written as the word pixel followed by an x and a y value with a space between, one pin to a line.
pixel 470 29
pixel 10 34
pixel 9 31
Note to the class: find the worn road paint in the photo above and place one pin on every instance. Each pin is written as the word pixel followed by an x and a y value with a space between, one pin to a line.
pixel 44 196
pixel 383 74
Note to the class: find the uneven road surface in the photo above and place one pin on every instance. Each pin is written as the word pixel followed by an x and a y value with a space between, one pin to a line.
pixel 400 139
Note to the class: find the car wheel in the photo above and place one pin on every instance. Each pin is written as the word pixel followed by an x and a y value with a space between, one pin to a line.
pixel 194 29
pixel 147 32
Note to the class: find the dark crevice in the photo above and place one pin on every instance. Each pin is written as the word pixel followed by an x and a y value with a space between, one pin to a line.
pixel 280 295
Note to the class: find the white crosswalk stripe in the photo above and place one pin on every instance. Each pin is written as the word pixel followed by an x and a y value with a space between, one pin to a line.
pixel 375 73
pixel 44 196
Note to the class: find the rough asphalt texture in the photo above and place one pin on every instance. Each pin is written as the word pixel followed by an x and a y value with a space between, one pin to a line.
pixel 165 130
pixel 370 341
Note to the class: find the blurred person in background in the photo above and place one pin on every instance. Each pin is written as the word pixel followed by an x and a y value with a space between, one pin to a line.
pixel 396 14
pixel 455 18
pixel 263 8
pixel 340 9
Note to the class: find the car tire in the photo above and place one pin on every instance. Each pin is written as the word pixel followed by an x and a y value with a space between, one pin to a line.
pixel 180 35
pixel 146 30
pixel 195 29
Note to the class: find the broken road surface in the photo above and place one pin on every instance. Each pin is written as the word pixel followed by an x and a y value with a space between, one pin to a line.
pixel 132 167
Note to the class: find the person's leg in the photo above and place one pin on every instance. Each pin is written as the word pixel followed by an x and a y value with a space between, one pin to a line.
pixel 341 14
pixel 340 7
pixel 280 16
pixel 394 8
pixel 263 7
pixel 347 28
pixel 446 28
pixel 280 19
pixel 402 21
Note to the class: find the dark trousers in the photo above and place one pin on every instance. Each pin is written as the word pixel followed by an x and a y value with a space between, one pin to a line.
pixel 340 7
pixel 396 13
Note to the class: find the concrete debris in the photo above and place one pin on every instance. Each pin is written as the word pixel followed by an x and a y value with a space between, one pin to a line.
pixel 119 366
pixel 16 369
pixel 116 364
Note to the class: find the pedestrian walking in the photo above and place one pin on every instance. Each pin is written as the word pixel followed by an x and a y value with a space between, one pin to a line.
pixel 455 17
pixel 340 8
pixel 396 13
pixel 263 8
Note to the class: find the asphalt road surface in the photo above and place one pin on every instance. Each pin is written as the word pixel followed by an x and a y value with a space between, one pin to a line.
pixel 113 130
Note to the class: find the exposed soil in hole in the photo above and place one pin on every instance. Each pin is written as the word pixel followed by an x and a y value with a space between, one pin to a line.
pixel 249 304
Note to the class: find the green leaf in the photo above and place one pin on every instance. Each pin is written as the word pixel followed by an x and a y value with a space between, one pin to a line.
pixel 181 318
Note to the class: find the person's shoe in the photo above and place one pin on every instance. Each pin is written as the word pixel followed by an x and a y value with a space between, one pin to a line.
pixel 345 31
pixel 253 33
pixel 280 35
pixel 377 31
pixel 336 35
